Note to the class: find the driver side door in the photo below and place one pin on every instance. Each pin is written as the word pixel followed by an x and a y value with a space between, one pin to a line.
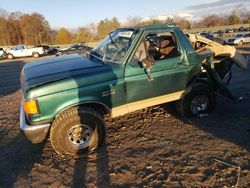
pixel 20 51
pixel 168 76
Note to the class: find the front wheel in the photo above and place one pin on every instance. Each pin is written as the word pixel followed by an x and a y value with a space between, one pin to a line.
pixel 200 100
pixel 78 130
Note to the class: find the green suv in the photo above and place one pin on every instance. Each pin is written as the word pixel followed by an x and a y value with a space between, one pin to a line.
pixel 66 97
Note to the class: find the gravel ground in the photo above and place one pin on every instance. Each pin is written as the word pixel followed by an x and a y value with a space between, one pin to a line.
pixel 149 148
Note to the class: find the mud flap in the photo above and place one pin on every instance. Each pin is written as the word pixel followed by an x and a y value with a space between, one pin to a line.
pixel 218 83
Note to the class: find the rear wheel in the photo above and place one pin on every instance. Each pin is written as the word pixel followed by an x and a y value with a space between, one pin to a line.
pixel 36 55
pixel 10 56
pixel 76 131
pixel 200 100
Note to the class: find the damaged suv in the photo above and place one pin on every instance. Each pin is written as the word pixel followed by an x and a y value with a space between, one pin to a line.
pixel 66 97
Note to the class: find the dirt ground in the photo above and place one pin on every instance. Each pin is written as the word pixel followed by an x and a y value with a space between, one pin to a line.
pixel 149 148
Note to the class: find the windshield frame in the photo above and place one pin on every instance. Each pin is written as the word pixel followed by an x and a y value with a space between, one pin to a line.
pixel 109 38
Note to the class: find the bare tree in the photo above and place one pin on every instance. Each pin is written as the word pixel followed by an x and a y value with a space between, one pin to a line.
pixel 133 21
pixel 52 36
pixel 245 17
pixel 233 19
pixel 63 36
pixel 83 34
pixel 106 26
pixel 14 20
pixel 183 23
pixel 35 28
pixel 5 38
pixel 212 21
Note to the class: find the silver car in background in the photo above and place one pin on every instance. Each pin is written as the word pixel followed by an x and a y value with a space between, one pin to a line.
pixel 239 39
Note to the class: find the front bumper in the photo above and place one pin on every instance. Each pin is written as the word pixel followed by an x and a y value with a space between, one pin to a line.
pixel 34 133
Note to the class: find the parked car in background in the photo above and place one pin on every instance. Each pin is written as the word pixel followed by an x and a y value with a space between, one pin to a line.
pixel 24 51
pixel 53 49
pixel 2 53
pixel 229 30
pixel 220 32
pixel 239 39
pixel 216 33
pixel 49 49
pixel 242 29
pixel 207 35
pixel 45 48
pixel 81 49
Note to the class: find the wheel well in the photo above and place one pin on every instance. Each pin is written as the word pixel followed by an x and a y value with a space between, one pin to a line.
pixel 10 54
pixel 103 109
pixel 200 78
pixel 100 107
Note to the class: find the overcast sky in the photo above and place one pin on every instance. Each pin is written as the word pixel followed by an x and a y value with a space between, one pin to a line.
pixel 75 13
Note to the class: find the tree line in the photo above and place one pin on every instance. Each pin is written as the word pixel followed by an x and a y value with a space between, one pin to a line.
pixel 34 29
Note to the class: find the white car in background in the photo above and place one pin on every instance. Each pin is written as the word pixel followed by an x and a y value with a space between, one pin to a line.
pixel 23 51
pixel 2 53
pixel 239 39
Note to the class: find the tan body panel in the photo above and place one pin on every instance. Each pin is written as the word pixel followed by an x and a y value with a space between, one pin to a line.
pixel 131 107
pixel 220 50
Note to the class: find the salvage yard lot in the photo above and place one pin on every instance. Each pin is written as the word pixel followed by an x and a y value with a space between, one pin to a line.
pixel 149 148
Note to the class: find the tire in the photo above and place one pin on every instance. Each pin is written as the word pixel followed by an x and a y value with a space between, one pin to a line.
pixel 36 55
pixel 67 128
pixel 10 56
pixel 200 100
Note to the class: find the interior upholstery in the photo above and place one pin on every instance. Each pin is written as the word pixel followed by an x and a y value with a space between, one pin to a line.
pixel 152 51
pixel 165 48
pixel 168 49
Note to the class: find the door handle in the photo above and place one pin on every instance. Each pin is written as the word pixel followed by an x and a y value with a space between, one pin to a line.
pixel 147 71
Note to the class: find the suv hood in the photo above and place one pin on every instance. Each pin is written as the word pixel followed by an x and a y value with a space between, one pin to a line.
pixel 50 70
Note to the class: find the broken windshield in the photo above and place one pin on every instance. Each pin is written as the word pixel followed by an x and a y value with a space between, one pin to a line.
pixel 115 46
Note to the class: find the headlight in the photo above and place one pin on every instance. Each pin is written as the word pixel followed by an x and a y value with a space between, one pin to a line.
pixel 31 107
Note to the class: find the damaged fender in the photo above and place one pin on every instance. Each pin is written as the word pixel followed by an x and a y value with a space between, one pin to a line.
pixel 220 50
pixel 216 53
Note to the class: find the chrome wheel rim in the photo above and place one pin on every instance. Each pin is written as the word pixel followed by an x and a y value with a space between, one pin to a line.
pixel 79 136
pixel 199 104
